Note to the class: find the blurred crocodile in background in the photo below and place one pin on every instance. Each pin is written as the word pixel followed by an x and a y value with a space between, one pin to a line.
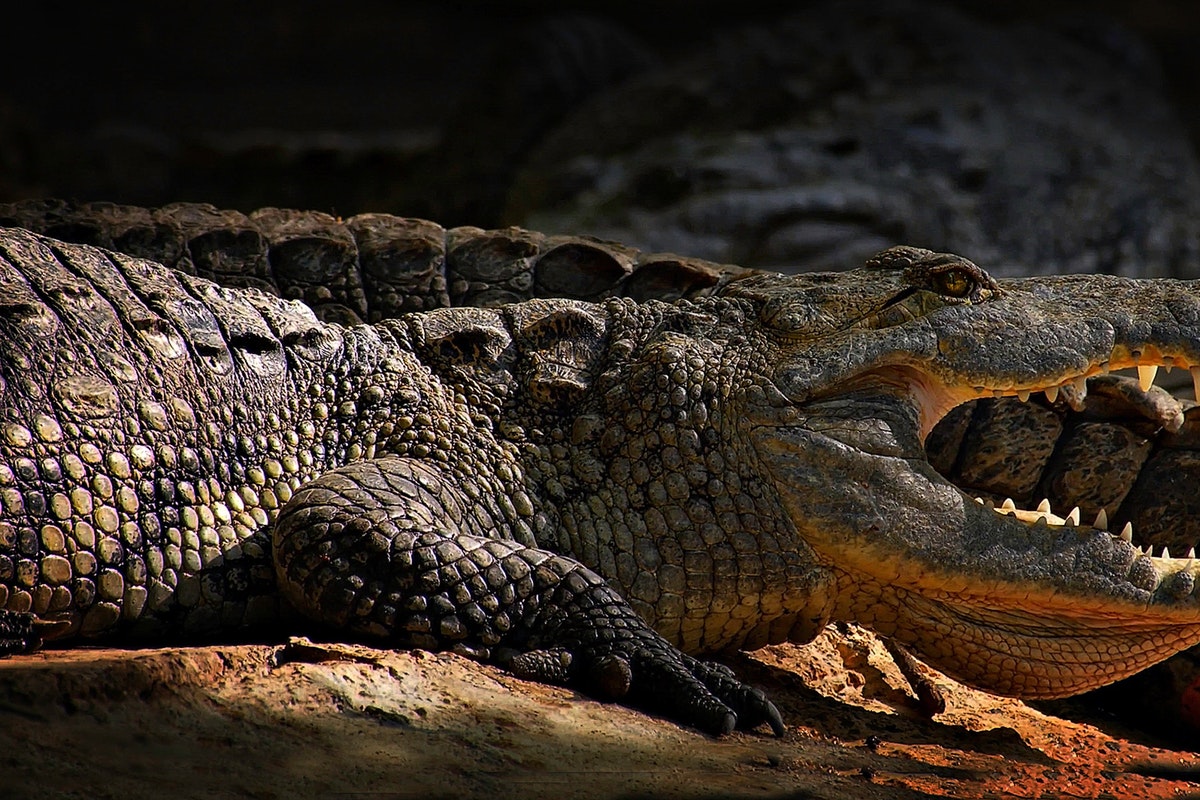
pixel 1029 136
pixel 812 139
pixel 742 467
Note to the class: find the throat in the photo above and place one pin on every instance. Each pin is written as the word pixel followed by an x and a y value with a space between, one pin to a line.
pixel 883 424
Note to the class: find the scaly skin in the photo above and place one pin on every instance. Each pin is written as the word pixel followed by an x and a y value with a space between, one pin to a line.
pixel 529 484
pixel 1108 455
pixel 371 266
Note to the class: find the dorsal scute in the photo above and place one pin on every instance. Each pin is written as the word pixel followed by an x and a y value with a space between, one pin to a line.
pixel 561 343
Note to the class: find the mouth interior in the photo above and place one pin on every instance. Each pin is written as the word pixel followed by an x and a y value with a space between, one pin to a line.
pixel 935 399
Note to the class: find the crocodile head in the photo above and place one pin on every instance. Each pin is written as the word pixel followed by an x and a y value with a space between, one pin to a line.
pixel 861 365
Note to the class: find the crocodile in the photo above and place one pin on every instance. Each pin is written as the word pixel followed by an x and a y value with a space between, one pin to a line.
pixel 1104 445
pixel 584 492
pixel 812 137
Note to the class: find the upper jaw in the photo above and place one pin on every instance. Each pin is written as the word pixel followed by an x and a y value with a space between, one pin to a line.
pixel 1052 333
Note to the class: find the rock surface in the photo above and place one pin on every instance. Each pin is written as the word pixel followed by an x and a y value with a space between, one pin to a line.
pixel 305 720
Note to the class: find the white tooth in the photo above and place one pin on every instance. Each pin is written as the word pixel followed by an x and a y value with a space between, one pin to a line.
pixel 1146 376
pixel 1191 553
pixel 1166 553
pixel 979 500
pixel 1127 532
pixel 1101 520
pixel 1073 517
pixel 1052 393
pixel 1044 506
pixel 1023 396
pixel 1008 505
pixel 1195 380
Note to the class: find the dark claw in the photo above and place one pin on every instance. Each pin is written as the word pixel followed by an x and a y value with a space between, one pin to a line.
pixel 751 704
pixel 775 720
pixel 664 683
pixel 930 699
pixel 591 638
pixel 713 718
pixel 929 696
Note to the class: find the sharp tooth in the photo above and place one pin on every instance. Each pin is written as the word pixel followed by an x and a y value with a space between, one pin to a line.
pixel 1052 393
pixel 1191 553
pixel 1008 505
pixel 1044 506
pixel 1073 517
pixel 1127 533
pixel 1166 553
pixel 1023 396
pixel 1146 376
pixel 1195 380
pixel 1101 520
pixel 1080 385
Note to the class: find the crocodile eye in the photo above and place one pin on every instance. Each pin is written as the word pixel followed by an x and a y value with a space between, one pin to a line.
pixel 954 283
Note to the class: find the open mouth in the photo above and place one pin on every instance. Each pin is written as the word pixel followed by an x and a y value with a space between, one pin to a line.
pixel 1074 592
pixel 1142 368
pixel 1013 593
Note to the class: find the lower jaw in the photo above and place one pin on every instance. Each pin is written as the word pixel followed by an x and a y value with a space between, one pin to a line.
pixel 1026 665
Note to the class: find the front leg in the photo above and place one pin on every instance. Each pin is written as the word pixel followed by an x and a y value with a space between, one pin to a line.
pixel 386 548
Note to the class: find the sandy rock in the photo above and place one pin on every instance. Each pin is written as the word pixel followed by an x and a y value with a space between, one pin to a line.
pixel 309 720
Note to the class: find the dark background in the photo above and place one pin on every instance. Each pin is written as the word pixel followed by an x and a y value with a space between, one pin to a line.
pixel 349 107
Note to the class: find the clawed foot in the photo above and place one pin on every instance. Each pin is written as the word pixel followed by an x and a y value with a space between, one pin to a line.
pixel 647 672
